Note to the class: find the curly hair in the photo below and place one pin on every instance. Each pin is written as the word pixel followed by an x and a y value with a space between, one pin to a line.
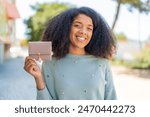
pixel 58 28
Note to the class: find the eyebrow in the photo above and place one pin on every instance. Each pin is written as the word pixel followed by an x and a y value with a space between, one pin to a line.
pixel 76 21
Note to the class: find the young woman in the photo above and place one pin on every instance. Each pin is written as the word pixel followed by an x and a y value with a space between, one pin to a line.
pixel 82 44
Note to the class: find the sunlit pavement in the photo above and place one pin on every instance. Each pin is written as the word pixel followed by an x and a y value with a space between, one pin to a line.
pixel 131 86
pixel 15 83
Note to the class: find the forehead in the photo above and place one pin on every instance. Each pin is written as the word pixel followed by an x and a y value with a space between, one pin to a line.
pixel 83 19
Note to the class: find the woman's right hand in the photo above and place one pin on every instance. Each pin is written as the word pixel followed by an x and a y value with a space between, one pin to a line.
pixel 32 68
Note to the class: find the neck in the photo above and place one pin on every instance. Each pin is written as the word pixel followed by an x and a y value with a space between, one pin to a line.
pixel 77 51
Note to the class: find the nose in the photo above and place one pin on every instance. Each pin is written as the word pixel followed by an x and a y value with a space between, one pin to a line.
pixel 83 31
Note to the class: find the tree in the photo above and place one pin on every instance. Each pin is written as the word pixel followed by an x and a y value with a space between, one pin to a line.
pixel 121 37
pixel 142 5
pixel 36 23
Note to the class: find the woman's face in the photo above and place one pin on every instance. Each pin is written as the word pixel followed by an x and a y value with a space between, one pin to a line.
pixel 81 32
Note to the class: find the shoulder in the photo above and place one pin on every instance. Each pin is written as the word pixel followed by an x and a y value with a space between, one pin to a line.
pixel 102 62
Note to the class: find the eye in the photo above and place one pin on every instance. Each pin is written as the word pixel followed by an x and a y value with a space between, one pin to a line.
pixel 90 29
pixel 77 25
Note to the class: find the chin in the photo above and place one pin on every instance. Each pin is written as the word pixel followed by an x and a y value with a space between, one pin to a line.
pixel 81 46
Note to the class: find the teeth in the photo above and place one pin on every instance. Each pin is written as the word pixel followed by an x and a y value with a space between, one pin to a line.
pixel 81 38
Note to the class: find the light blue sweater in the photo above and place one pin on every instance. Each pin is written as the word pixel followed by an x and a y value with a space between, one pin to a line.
pixel 77 77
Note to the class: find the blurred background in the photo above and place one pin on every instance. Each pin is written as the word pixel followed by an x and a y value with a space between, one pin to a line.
pixel 23 21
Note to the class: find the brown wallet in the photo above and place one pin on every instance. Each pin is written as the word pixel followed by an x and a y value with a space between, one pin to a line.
pixel 40 50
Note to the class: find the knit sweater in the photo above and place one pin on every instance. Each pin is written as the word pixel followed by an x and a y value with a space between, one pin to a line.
pixel 77 77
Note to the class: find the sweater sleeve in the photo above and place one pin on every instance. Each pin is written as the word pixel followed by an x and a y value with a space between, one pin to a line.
pixel 48 92
pixel 43 94
pixel 110 92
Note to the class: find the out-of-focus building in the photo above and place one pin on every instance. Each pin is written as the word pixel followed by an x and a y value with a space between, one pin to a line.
pixel 127 49
pixel 8 15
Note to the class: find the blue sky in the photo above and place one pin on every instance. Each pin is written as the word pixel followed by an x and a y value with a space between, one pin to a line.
pixel 134 25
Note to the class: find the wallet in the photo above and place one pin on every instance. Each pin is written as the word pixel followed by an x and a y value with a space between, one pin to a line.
pixel 40 50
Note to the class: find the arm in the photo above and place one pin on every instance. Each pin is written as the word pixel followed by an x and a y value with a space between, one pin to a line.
pixel 110 92
pixel 32 68
pixel 47 91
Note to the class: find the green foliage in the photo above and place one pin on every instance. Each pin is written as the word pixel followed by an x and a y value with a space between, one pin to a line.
pixel 44 12
pixel 142 59
pixel 141 5
pixel 118 62
pixel 121 37
pixel 23 43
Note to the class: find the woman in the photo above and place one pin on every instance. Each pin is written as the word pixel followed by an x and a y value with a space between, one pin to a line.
pixel 82 43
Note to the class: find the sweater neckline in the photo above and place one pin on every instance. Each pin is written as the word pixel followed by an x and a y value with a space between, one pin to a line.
pixel 78 56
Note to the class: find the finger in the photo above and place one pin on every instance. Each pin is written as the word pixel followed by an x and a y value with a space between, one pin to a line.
pixel 28 58
pixel 30 64
pixel 31 68
pixel 29 61
pixel 30 71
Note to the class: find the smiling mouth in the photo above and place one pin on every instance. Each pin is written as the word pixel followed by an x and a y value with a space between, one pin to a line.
pixel 81 39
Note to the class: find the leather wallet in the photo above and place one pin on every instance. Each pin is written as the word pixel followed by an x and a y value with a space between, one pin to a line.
pixel 40 50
